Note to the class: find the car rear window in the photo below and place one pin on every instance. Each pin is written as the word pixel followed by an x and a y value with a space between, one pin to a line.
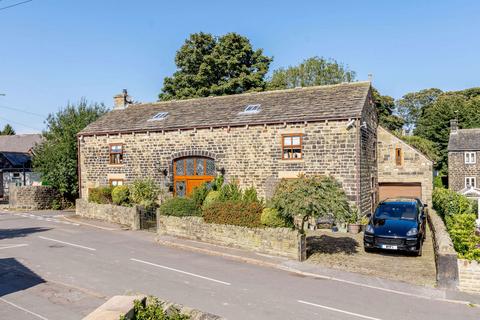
pixel 404 211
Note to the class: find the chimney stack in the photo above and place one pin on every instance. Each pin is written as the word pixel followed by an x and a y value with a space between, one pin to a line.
pixel 453 126
pixel 120 101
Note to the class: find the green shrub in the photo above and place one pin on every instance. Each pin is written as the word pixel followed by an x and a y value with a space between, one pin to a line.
pixel 234 212
pixel 144 192
pixel 231 192
pixel 56 204
pixel 438 182
pixel 217 183
pixel 199 194
pixel 250 195
pixel 447 202
pixel 179 207
pixel 461 228
pixel 120 195
pixel 153 310
pixel 101 195
pixel 212 196
pixel 318 197
pixel 271 218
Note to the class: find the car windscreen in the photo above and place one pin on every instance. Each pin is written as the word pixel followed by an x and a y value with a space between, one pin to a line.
pixel 397 211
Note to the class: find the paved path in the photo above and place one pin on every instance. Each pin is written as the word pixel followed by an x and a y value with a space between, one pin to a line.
pixel 50 270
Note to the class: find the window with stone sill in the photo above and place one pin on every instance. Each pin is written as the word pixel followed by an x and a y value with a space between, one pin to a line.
pixel 470 182
pixel 470 157
pixel 116 154
pixel 292 146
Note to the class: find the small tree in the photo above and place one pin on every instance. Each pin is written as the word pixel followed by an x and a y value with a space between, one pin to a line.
pixel 56 158
pixel 7 130
pixel 305 197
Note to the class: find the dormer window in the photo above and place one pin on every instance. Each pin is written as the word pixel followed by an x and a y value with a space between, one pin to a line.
pixel 470 158
pixel 159 116
pixel 252 109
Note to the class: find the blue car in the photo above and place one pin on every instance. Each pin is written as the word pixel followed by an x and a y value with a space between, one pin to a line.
pixel 397 224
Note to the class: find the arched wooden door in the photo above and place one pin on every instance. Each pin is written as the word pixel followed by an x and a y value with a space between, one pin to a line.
pixel 191 172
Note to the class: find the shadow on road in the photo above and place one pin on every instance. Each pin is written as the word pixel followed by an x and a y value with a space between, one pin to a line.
pixel 14 277
pixel 22 232
pixel 331 245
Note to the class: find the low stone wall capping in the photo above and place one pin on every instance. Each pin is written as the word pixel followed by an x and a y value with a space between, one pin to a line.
pixel 445 254
pixel 32 197
pixel 283 242
pixel 128 216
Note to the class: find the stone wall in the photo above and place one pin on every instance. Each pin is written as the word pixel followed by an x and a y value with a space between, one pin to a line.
pixel 458 170
pixel 469 275
pixel 445 254
pixel 275 241
pixel 32 197
pixel 251 154
pixel 128 216
pixel 415 166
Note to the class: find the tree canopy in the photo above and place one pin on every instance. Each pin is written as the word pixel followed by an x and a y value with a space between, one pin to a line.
pixel 385 105
pixel 411 105
pixel 314 71
pixel 56 158
pixel 434 122
pixel 7 130
pixel 213 66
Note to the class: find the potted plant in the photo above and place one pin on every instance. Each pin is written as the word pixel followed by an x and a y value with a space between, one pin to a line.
pixel 353 223
pixel 363 222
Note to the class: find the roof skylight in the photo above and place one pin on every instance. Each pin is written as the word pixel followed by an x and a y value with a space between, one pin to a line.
pixel 159 116
pixel 252 108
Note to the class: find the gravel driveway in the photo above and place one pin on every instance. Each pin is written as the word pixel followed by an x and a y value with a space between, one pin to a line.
pixel 345 251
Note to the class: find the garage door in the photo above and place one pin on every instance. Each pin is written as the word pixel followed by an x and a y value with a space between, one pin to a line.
pixel 393 190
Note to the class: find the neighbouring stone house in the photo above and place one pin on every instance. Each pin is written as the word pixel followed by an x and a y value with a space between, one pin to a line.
pixel 256 138
pixel 16 161
pixel 402 169
pixel 463 161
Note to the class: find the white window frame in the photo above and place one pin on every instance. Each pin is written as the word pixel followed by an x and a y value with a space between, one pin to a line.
pixel 470 157
pixel 469 180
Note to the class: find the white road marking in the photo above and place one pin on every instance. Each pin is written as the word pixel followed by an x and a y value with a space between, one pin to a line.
pixel 180 271
pixel 68 243
pixel 23 309
pixel 338 310
pixel 87 224
pixel 14 246
pixel 49 218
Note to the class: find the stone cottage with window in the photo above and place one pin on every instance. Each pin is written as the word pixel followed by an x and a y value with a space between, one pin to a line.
pixel 463 160
pixel 255 138
pixel 402 169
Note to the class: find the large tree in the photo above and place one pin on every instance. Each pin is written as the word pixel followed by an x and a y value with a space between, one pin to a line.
pixel 213 66
pixel 411 105
pixel 56 158
pixel 7 130
pixel 434 122
pixel 311 72
pixel 385 105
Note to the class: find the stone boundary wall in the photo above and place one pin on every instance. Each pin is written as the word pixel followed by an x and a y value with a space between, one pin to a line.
pixel 118 306
pixel 275 241
pixel 469 274
pixel 32 197
pixel 128 216
pixel 445 254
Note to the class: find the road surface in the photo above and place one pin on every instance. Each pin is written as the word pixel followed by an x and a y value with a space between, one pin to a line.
pixel 54 270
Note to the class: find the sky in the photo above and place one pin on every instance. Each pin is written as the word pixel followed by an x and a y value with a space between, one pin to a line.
pixel 53 52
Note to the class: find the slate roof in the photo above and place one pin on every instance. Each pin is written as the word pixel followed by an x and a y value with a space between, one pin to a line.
pixel 17 159
pixel 19 142
pixel 340 101
pixel 465 140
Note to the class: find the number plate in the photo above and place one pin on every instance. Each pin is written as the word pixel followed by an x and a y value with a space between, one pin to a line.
pixel 387 246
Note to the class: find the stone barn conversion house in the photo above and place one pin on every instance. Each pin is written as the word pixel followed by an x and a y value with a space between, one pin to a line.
pixel 256 138
pixel 463 160
pixel 16 161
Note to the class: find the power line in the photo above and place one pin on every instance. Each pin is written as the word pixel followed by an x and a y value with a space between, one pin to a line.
pixel 15 4
pixel 24 111
pixel 20 124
